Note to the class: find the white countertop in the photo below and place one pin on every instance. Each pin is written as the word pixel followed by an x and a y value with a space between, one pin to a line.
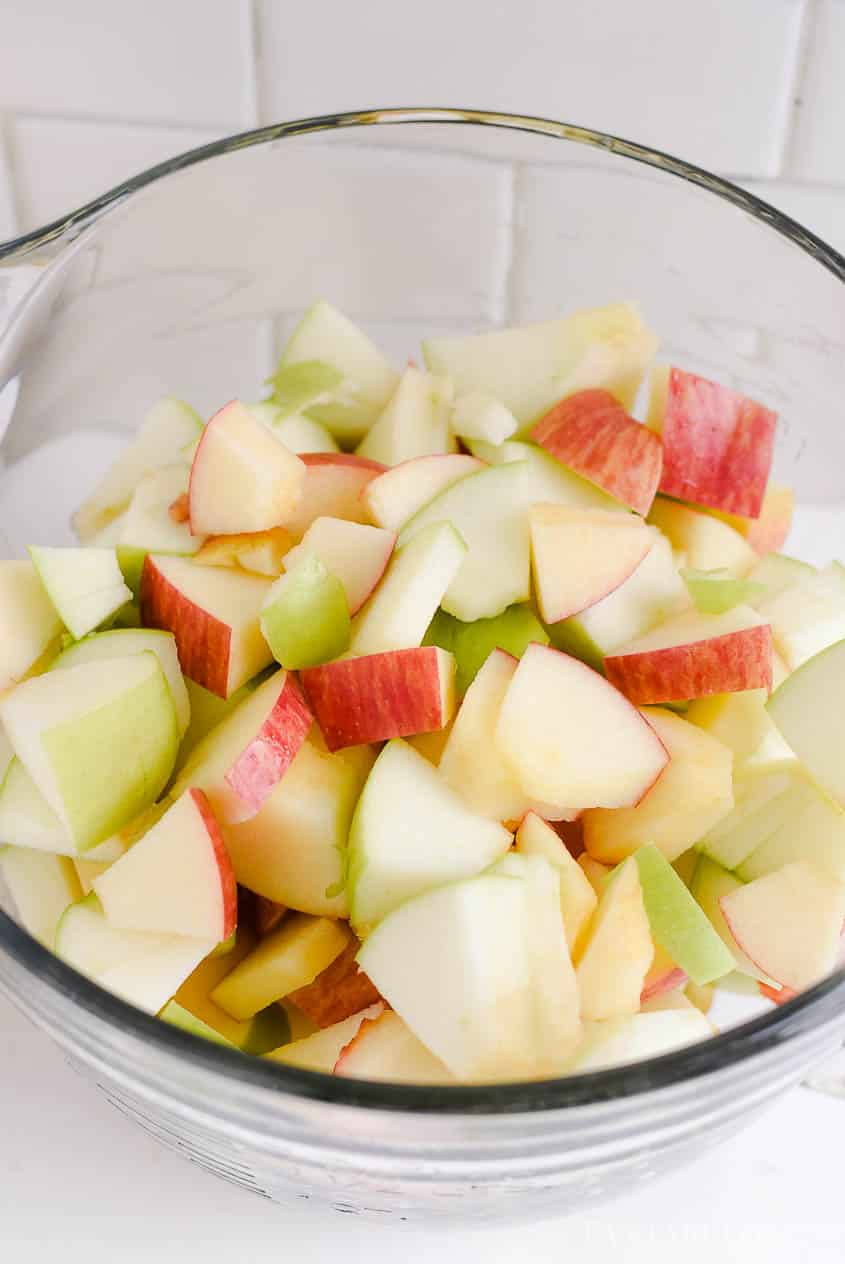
pixel 79 1183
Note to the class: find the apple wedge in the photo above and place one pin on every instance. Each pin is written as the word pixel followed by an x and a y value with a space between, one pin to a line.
pixel 305 616
pixel 802 823
pixel 177 879
pixel 715 592
pixel 396 495
pixel 618 953
pixel 663 977
pixel 677 923
pixel 717 445
pixel 777 571
pixel 380 696
pixel 207 711
pixel 789 923
pixel 84 585
pixel 552 704
pixel 706 543
pixel 355 553
pixel 101 747
pixel 31 625
pixel 805 710
pixel 334 487
pixel 384 1048
pixel 592 433
pixel 762 797
pixel 692 794
pixel 694 655
pixel 243 478
pixel 176 1016
pixel 41 886
pixel 26 818
pixel 415 421
pixel 807 616
pixel 619 1041
pixel 149 524
pixel 766 533
pixel 472 643
pixel 321 1050
pixel 577 897
pixel 410 832
pixel 213 614
pixel 581 555
pixel 340 991
pixel 303 434
pixel 262 552
pixel 477 415
pixel 595 872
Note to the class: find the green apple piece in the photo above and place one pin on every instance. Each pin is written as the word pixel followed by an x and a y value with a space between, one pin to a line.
pixel 807 710
pixel 411 832
pixel 777 572
pixel 41 886
pixel 26 818
pixel 709 883
pixel 512 631
pixel 305 617
pixel 652 594
pixel 174 1014
pixel 619 1041
pixel 530 368
pixel 30 623
pixel 418 576
pixel 802 824
pixel 677 923
pixel 477 415
pixel 760 796
pixel 207 710
pixel 100 747
pixel 295 387
pixel 167 428
pixel 122 642
pixel 367 380
pixel 395 496
pixel 807 617
pixel 716 591
pixel 321 1050
pixel 415 422
pixel 84 585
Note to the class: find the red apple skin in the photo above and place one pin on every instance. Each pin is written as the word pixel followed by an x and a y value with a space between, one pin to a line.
pixel 669 982
pixel 202 641
pixel 779 996
pixel 347 1050
pixel 339 992
pixel 228 885
pixel 723 664
pixel 717 446
pixel 591 432
pixel 376 697
pixel 261 765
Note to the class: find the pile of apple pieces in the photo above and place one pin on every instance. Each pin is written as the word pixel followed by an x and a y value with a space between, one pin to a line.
pixel 533 880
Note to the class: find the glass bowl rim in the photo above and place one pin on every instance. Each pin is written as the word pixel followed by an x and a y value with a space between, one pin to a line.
pixel 807 1013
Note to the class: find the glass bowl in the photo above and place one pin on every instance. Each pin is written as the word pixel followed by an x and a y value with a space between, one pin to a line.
pixel 186 279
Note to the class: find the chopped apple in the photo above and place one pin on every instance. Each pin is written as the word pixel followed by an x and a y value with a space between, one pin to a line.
pixel 299 433
pixel 415 421
pixel 357 554
pixel 334 488
pixel 807 616
pixel 706 543
pixel 694 655
pixel 767 533
pixel 321 1050
pixel 476 415
pixel 384 1048
pixel 664 976
pixel 167 428
pixel 176 1016
pixel 41 886
pixel 287 959
pixel 619 1041
pixel 714 592
pixel 760 797
pixel 207 711
pixel 262 552
pixel 267 915
pixel 740 720
pixel 547 481
pixel 380 696
pixel 84 585
pixel 411 831
pixel 807 710
pixel 803 823
pixel 26 818
pixel 148 526
pixel 395 496
pixel 472 643
pixel 717 445
pixel 577 897
pixel 581 555
pixel 616 959
pixel 177 879
pixel 594 871
pixel 243 478
pixel 213 614
pixel 87 871
pixel 789 923
pixel 305 616
pixel 31 625
pixel 778 571
pixel 298 386
pixel 592 433
pixel 101 747
pixel 552 704
pixel 693 792
pixel 340 991
pixel 677 923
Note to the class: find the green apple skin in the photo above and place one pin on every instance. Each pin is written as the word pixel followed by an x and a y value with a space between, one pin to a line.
pixel 131 562
pixel 296 387
pixel 677 922
pixel 176 1016
pixel 714 592
pixel 472 643
pixel 208 710
pixel 305 619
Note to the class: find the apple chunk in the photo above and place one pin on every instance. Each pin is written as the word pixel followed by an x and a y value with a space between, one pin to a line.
pixel 766 533
pixel 214 615
pixel 29 620
pixel 552 706
pixel 334 487
pixel 577 897
pixel 177 879
pixel 807 710
pixel 342 989
pixel 706 543
pixel 305 617
pixel 380 696
pixel 619 1041
pixel 355 553
pixel 243 478
pixel 85 585
pixel 395 496
pixel 592 434
pixel 321 1050
pixel 808 615
pixel 581 555
pixel 41 886
pixel 619 950
pixel 717 445
pixel 415 421
pixel 384 1048
pixel 677 923
pixel 472 643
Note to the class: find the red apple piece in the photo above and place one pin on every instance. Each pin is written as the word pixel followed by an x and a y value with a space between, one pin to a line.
pixel 664 976
pixel 357 554
pixel 340 991
pixel 334 482
pixel 394 497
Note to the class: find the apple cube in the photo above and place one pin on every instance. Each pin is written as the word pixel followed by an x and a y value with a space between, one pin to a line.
pixel 694 655
pixel 177 879
pixel 334 488
pixel 593 434
pixel 476 415
pixel 357 554
pixel 41 886
pixel 321 1050
pixel 148 526
pixel 411 831
pixel 807 709
pixel 380 696
pixel 31 625
pixel 803 823
pixel 384 1048
pixel 706 543
pixel 616 959
pixel 693 792
pixel 807 616
pixel 340 991
pixel 472 643
pixel 577 897
pixel 717 445
pixel 395 496
pixel 581 555
pixel 101 747
pixel 243 478
pixel 213 614
pixel 84 585
pixel 415 421
pixel 677 923
pixel 789 923
pixel 305 616
pixel 619 1041
pixel 552 704
pixel 766 533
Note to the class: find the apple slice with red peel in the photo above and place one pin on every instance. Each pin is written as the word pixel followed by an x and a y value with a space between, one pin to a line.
pixel 593 434
pixel 214 615
pixel 717 445
pixel 84 584
pixel 581 555
pixel 241 761
pixel 357 554
pixel 334 486
pixel 340 991
pixel 577 898
pixel 384 1048
pixel 321 1050
pixel 394 497
pixel 243 478
pixel 31 625
pixel 552 706
pixel 619 951
pixel 694 655
pixel 381 696
pixel 177 879
pixel 664 976
pixel 789 923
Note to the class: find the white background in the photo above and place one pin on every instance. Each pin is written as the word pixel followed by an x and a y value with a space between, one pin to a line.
pixel 90 92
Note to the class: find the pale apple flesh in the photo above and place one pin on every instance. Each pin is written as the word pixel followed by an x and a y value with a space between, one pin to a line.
pixel 354 552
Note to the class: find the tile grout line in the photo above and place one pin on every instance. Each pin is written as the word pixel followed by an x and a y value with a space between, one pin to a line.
pixel 250 59
pixel 798 64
